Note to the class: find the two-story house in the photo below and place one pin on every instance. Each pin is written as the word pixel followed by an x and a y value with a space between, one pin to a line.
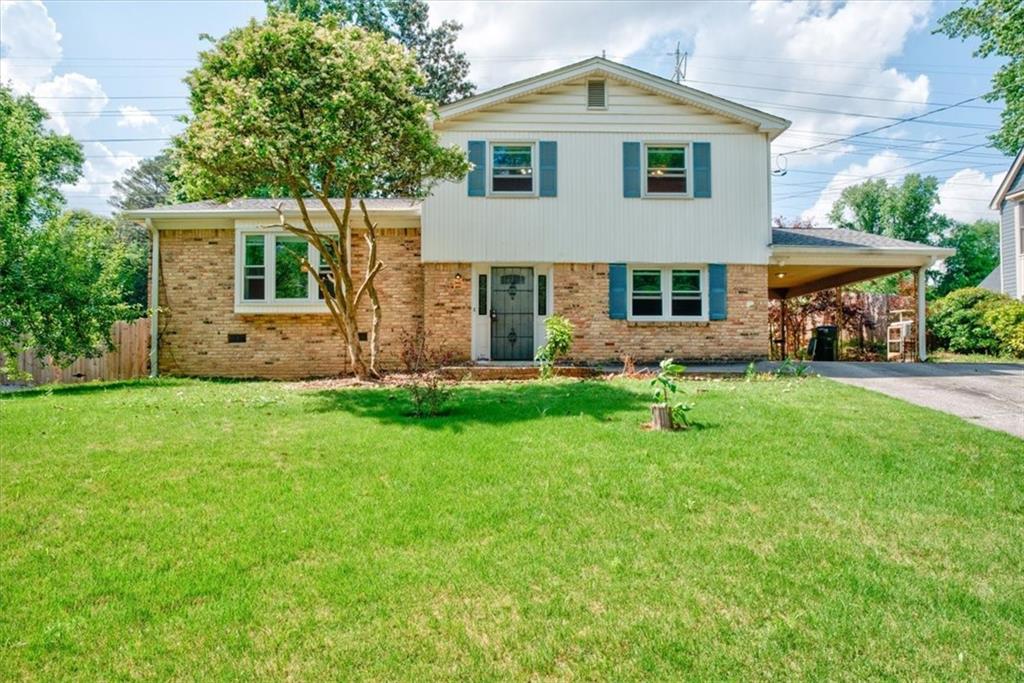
pixel 1009 202
pixel 638 208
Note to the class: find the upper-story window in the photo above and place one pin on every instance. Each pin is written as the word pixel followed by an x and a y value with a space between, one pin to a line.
pixel 666 167
pixel 512 168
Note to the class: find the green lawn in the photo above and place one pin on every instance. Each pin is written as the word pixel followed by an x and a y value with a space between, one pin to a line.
pixel 950 357
pixel 187 529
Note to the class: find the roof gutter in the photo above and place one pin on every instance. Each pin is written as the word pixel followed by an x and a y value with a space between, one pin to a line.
pixel 149 214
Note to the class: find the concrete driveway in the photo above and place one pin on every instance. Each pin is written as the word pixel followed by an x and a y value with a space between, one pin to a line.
pixel 988 394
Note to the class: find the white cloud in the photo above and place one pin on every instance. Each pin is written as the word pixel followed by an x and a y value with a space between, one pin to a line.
pixel 29 44
pixel 824 46
pixel 73 100
pixel 133 117
pixel 965 195
pixel 102 167
pixel 854 174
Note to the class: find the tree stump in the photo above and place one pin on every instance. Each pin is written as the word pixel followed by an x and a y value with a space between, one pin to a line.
pixel 661 417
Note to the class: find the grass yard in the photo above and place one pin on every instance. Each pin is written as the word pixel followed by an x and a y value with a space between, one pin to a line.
pixel 187 529
pixel 950 357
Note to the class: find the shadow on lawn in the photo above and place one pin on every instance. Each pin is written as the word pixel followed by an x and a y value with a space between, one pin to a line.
pixel 98 387
pixel 494 404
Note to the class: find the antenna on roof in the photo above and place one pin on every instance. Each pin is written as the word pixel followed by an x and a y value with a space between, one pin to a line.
pixel 602 55
pixel 681 57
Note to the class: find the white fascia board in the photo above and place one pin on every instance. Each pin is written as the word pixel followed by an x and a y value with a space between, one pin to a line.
pixel 1000 195
pixel 858 256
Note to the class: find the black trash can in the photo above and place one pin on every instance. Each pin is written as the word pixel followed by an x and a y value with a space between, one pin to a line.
pixel 824 344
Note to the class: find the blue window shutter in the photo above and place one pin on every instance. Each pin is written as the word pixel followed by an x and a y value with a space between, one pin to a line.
pixel 702 169
pixel 630 169
pixel 617 291
pixel 477 178
pixel 548 168
pixel 717 290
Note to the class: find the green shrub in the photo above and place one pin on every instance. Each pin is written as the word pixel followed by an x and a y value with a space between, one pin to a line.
pixel 958 321
pixel 1006 320
pixel 559 342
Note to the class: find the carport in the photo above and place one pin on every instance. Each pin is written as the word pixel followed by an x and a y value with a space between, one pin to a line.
pixel 808 260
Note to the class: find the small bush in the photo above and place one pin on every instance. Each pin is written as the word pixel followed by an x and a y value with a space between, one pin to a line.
pixel 429 395
pixel 559 342
pixel 958 321
pixel 1006 320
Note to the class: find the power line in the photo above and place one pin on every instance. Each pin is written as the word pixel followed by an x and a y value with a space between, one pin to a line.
pixel 881 173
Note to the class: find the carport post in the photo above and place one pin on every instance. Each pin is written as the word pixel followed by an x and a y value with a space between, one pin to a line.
pixel 922 335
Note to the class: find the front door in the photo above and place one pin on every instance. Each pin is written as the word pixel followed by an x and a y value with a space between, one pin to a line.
pixel 512 314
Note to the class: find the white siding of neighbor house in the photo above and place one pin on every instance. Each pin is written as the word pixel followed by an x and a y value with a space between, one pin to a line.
pixel 1008 258
pixel 590 220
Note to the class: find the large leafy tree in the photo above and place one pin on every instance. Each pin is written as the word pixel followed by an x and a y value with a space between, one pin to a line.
pixel 150 183
pixel 407 21
pixel 316 110
pixel 977 254
pixel 62 276
pixel 78 273
pixel 904 211
pixel 1000 26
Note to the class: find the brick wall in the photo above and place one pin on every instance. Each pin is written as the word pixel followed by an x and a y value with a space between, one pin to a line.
pixel 197 302
pixel 448 307
pixel 581 295
pixel 197 312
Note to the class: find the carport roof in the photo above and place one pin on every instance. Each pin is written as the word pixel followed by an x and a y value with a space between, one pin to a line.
pixel 841 238
pixel 806 260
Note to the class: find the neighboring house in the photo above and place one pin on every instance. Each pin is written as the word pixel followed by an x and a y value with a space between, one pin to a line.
pixel 638 208
pixel 1009 202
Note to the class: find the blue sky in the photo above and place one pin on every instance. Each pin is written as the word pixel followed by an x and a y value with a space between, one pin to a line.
pixel 110 73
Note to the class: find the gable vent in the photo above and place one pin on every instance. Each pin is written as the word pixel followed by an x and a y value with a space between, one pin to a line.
pixel 596 97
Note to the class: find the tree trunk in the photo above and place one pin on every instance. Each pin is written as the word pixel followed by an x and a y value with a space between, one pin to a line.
pixel 661 417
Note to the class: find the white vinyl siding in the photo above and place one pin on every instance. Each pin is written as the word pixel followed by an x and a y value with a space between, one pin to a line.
pixel 591 222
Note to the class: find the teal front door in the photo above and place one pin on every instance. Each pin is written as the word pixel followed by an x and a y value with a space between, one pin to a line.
pixel 512 314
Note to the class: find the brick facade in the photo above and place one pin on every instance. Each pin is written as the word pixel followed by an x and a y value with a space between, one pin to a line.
pixel 197 314
pixel 581 295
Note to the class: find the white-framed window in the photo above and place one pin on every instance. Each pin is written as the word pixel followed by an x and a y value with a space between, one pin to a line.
pixel 666 169
pixel 269 275
pixel 668 292
pixel 513 168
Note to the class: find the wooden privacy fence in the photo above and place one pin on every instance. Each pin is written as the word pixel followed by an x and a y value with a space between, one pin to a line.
pixel 128 360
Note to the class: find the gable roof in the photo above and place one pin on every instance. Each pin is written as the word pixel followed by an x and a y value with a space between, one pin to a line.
pixel 1016 172
pixel 598 66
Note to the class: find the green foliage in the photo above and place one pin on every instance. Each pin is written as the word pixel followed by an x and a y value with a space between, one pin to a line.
pixel 77 273
pixel 1006 320
pixel 559 342
pixel 148 184
pixel 62 277
pixel 429 395
pixel 681 414
pixel 958 321
pixel 905 211
pixel 977 254
pixel 1000 26
pixel 664 384
pixel 790 369
pixel 309 109
pixel 407 21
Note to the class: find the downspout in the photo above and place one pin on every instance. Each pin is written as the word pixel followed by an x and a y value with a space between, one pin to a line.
pixel 154 301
